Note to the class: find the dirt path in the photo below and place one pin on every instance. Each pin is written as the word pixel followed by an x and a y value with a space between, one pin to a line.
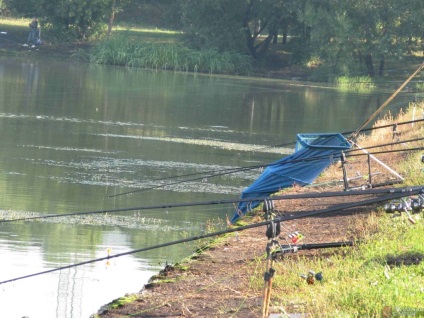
pixel 217 282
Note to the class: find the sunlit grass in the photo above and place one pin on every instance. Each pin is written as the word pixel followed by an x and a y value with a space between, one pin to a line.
pixel 146 34
pixel 13 22
pixel 355 83
pixel 407 164
pixel 414 168
pixel 363 281
pixel 119 28
pixel 357 281
pixel 14 27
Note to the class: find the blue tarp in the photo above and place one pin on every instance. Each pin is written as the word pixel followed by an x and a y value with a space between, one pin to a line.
pixel 313 153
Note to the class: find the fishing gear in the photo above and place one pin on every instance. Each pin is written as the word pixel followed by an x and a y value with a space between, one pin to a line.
pixel 408 205
pixel 272 231
pixel 387 101
pixel 339 208
pixel 311 277
pixel 237 170
pixel 275 250
pixel 386 151
pixel 384 145
pixel 385 126
pixel 402 191
pixel 396 133
pixel 295 237
pixel 202 177
pixel 215 173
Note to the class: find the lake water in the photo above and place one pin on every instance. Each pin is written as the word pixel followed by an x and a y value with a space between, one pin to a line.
pixel 75 137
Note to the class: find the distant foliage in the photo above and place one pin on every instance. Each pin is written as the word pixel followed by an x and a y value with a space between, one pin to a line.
pixel 419 86
pixel 166 56
pixel 355 83
pixel 65 20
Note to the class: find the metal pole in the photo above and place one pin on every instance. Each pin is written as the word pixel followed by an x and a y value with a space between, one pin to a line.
pixel 369 171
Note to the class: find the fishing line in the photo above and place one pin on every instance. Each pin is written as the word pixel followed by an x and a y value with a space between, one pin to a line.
pixel 385 151
pixel 236 170
pixel 405 191
pixel 204 174
pixel 354 134
pixel 386 126
pixel 339 207
pixel 388 144
pixel 202 177
pixel 222 172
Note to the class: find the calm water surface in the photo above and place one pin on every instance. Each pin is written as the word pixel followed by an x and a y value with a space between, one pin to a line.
pixel 75 135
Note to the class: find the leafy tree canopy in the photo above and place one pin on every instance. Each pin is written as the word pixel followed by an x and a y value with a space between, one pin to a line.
pixel 361 31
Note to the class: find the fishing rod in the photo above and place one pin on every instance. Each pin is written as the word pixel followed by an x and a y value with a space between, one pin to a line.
pixel 385 151
pixel 339 207
pixel 202 177
pixel 388 144
pixel 354 134
pixel 237 170
pixel 405 191
pixel 385 126
pixel 165 206
pixel 311 246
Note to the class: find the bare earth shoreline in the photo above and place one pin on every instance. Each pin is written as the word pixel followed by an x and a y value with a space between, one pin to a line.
pixel 216 283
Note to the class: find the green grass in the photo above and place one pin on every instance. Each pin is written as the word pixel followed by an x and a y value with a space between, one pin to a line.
pixel 414 169
pixel 118 303
pixel 147 34
pixel 278 59
pixel 419 86
pixel 6 22
pixel 357 83
pixel 358 281
pixel 17 29
pixel 132 52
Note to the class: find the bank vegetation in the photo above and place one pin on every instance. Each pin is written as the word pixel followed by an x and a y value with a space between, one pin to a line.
pixel 380 276
pixel 327 41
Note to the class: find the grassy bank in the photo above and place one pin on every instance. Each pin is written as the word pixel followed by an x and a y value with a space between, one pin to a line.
pixel 382 274
pixel 384 271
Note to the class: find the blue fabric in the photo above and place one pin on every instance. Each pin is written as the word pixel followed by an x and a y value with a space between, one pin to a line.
pixel 314 153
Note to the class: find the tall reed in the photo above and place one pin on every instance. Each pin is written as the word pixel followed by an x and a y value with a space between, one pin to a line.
pixel 122 51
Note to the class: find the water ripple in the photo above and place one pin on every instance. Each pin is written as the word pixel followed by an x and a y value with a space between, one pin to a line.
pixel 210 143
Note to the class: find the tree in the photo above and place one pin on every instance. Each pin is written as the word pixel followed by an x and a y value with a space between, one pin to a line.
pixel 66 18
pixel 361 31
pixel 26 8
pixel 79 18
pixel 214 24
pixel 242 25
